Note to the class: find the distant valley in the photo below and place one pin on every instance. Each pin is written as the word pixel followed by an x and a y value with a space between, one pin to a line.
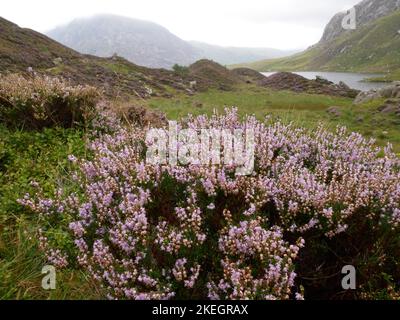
pixel 148 44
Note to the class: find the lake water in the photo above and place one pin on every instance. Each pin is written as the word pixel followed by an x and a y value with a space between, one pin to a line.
pixel 353 80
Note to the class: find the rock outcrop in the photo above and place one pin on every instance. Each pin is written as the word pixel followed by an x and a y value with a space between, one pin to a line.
pixel 390 106
pixel 297 83
pixel 390 92
pixel 366 12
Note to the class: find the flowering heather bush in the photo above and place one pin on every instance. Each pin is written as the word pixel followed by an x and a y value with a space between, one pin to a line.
pixel 40 101
pixel 316 202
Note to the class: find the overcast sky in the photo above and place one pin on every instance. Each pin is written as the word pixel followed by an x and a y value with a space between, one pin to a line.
pixel 282 24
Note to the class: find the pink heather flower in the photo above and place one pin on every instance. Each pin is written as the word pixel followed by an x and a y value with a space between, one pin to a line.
pixel 299 296
pixel 137 227
pixel 72 158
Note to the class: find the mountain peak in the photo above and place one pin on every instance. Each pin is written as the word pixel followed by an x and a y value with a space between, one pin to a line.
pixel 147 43
pixel 139 41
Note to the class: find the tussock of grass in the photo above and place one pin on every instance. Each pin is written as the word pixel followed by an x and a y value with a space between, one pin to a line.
pixel 39 102
pixel 39 156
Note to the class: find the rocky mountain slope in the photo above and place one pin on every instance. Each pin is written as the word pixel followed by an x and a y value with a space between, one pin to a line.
pixel 23 49
pixel 141 42
pixel 148 44
pixel 366 11
pixel 373 47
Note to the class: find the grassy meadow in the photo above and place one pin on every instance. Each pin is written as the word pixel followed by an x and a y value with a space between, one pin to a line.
pixel 302 109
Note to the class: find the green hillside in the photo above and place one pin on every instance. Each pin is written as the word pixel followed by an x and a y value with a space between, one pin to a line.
pixel 24 49
pixel 372 48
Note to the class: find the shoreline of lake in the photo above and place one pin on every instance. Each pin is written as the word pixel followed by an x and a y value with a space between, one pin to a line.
pixel 354 80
